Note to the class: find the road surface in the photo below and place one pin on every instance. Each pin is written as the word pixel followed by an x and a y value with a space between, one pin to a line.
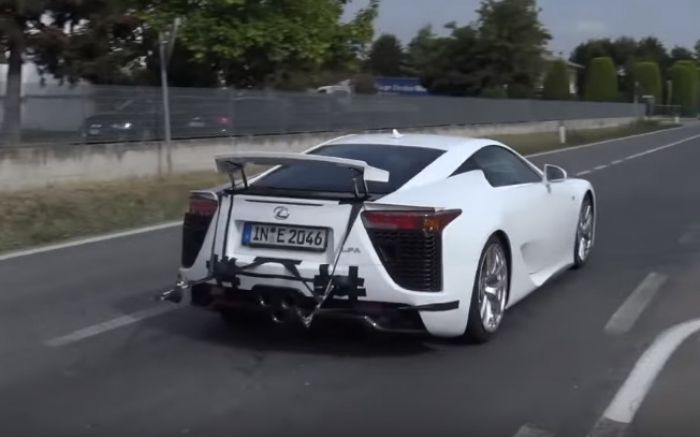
pixel 84 351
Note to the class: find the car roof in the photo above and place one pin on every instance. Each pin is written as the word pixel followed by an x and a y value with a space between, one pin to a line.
pixel 466 145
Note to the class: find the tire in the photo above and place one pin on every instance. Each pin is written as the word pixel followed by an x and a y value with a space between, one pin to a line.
pixel 486 315
pixel 585 233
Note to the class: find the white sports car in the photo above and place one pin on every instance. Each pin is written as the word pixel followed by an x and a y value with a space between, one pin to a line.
pixel 407 233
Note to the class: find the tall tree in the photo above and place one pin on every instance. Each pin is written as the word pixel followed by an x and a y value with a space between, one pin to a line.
pixel 697 50
pixel 250 42
pixel 652 49
pixel 67 38
pixel 386 56
pixel 679 53
pixel 514 40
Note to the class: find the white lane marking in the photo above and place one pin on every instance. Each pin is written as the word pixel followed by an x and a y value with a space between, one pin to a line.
pixel 665 146
pixel 598 143
pixel 585 172
pixel 615 162
pixel 109 325
pixel 600 167
pixel 95 239
pixel 626 316
pixel 532 431
pixel 629 397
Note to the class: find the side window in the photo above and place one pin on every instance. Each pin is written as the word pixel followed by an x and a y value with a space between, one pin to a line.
pixel 466 166
pixel 502 167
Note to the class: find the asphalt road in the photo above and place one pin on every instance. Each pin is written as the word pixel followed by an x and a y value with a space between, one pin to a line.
pixel 85 351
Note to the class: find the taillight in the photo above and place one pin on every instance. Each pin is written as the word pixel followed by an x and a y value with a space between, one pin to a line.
pixel 433 221
pixel 203 206
pixel 223 120
pixel 195 224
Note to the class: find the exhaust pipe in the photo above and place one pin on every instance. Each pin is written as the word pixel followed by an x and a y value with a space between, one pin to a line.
pixel 282 308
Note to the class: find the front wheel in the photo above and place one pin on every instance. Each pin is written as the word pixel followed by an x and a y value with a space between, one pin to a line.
pixel 584 233
pixel 490 292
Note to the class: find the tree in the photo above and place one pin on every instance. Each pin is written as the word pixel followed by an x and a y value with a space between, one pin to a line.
pixel 69 39
pixel 684 77
pixel 556 83
pixel 251 42
pixel 680 54
pixel 386 56
pixel 697 50
pixel 449 65
pixel 512 40
pixel 420 51
pixel 651 49
pixel 584 53
pixel 648 76
pixel 601 81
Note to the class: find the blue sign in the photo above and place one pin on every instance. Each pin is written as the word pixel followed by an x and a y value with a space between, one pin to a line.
pixel 400 85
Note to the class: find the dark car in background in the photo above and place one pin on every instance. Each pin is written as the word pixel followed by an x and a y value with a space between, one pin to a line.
pixel 141 119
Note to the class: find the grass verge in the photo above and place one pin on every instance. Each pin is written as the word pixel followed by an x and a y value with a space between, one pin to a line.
pixel 36 217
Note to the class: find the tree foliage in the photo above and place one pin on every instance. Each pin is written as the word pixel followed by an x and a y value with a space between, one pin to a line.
pixel 684 76
pixel 556 83
pixel 648 76
pixel 45 31
pixel 601 80
pixel 513 41
pixel 252 41
pixel 501 51
pixel 386 56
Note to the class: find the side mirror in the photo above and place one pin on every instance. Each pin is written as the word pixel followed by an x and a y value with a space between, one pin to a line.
pixel 553 173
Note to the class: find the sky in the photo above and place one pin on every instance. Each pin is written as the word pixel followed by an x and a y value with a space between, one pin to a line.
pixel 675 22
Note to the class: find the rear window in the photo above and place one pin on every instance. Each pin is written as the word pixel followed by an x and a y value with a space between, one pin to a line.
pixel 402 163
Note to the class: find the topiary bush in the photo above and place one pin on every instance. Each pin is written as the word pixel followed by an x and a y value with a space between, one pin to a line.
pixel 601 81
pixel 556 83
pixel 684 76
pixel 648 76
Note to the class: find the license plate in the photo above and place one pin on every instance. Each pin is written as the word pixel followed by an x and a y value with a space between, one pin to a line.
pixel 94 131
pixel 289 237
pixel 196 124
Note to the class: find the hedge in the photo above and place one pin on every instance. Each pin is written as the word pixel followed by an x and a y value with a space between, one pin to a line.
pixel 601 81
pixel 556 83
pixel 648 76
pixel 684 76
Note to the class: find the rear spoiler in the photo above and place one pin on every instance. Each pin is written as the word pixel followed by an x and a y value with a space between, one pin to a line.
pixel 231 163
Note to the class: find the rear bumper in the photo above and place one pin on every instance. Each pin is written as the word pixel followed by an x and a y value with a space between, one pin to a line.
pixel 286 305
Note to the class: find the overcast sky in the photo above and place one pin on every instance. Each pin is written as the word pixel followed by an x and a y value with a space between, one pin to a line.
pixel 675 22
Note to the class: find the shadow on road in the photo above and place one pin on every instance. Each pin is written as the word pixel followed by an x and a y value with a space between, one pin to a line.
pixel 334 338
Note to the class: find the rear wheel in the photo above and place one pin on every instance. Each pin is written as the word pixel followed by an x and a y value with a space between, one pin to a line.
pixel 584 233
pixel 490 292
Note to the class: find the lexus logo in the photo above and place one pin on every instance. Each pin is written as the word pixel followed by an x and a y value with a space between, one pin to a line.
pixel 281 213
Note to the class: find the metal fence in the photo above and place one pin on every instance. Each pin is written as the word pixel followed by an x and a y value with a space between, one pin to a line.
pixel 93 114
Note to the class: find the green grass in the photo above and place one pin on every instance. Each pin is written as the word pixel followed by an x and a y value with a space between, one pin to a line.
pixel 67 211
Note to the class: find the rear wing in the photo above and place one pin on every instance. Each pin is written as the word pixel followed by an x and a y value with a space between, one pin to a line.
pixel 231 163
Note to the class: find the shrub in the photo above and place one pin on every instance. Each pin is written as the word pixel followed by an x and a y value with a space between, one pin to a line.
pixel 601 81
pixel 556 83
pixel 684 77
pixel 648 76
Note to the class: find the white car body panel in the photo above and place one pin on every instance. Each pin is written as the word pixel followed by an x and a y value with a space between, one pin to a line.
pixel 538 219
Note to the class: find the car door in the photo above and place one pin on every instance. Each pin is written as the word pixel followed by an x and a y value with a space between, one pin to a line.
pixel 526 204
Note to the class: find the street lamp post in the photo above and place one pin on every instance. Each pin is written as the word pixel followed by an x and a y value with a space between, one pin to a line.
pixel 166 42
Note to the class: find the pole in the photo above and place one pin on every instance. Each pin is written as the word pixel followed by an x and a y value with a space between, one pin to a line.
pixel 166 101
pixel 165 50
